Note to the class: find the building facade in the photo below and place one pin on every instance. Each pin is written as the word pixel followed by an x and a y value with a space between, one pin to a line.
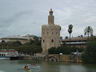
pixel 22 39
pixel 79 42
pixel 50 34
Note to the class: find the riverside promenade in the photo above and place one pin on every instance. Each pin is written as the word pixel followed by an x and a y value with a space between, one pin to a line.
pixel 53 58
pixel 64 58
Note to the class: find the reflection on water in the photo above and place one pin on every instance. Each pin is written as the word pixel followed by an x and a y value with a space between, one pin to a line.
pixel 17 66
pixel 2 71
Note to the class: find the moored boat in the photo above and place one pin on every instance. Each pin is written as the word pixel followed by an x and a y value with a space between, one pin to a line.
pixel 7 53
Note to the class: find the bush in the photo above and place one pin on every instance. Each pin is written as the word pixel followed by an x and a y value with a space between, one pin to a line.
pixel 64 49
pixel 89 55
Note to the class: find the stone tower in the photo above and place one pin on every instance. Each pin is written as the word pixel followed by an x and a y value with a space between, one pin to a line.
pixel 50 34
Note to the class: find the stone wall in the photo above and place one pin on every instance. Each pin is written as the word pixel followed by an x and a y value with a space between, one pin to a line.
pixel 64 58
pixel 50 34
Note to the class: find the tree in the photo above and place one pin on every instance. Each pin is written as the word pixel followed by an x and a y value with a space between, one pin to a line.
pixel 52 50
pixel 70 30
pixel 89 55
pixel 13 45
pixel 3 44
pixel 88 31
pixel 31 47
pixel 64 49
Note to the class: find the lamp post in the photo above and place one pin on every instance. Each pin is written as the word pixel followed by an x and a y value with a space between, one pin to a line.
pixel 60 54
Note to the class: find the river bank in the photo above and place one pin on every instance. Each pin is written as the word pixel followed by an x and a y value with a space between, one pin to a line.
pixel 52 58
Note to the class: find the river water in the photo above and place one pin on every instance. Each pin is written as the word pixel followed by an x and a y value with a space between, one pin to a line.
pixel 17 66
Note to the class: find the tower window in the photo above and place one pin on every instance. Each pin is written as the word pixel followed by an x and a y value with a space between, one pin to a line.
pixel 43 40
pixel 52 40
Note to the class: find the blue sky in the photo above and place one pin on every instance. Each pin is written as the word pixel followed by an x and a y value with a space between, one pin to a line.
pixel 21 17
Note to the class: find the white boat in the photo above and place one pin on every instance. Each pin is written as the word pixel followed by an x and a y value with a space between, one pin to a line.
pixel 7 53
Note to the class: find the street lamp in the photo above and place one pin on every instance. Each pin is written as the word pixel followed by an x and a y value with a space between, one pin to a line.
pixel 60 54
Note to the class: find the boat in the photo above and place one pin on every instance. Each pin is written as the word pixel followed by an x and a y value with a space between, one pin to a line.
pixel 27 69
pixel 7 53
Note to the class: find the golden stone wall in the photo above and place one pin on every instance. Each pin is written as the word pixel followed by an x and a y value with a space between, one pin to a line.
pixel 50 34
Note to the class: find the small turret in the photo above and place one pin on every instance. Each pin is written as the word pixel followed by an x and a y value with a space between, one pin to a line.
pixel 51 12
pixel 50 17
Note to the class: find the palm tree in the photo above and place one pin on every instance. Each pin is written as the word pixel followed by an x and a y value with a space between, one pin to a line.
pixel 88 31
pixel 70 30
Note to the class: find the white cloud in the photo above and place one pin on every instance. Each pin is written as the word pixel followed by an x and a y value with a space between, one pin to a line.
pixel 27 16
pixel 91 19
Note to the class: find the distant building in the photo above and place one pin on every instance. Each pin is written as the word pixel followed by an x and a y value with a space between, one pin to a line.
pixel 79 42
pixel 50 34
pixel 22 39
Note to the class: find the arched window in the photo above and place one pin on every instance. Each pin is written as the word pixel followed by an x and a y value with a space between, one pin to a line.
pixel 43 41
pixel 52 40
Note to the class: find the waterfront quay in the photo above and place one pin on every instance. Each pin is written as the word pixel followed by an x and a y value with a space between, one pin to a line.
pixel 64 58
pixel 52 58
pixel 29 57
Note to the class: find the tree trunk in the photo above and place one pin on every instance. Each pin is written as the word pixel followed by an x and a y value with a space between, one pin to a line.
pixel 70 35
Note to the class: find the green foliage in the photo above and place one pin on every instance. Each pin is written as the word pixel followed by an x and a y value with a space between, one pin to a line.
pixel 70 29
pixel 9 45
pixel 74 49
pixel 64 49
pixel 89 55
pixel 15 44
pixel 31 47
pixel 88 31
pixel 52 50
